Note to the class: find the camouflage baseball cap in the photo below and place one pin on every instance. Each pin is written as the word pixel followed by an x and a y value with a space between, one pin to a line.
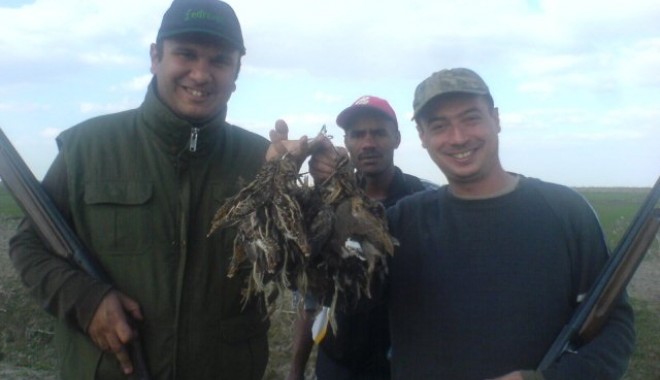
pixel 447 81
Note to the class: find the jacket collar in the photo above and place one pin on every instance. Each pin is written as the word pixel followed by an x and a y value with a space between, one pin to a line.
pixel 175 133
pixel 396 189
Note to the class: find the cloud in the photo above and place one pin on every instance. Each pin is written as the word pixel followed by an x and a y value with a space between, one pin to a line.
pixel 102 108
pixel 50 133
pixel 105 58
pixel 138 84
pixel 23 107
pixel 638 64
pixel 325 97
pixel 563 73
pixel 578 126
pixel 49 35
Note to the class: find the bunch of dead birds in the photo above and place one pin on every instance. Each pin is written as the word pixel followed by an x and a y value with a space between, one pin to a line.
pixel 329 240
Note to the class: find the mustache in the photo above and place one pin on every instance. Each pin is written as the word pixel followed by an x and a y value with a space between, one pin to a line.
pixel 367 155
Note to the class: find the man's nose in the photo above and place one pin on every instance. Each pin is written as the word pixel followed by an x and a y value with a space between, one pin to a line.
pixel 369 139
pixel 457 135
pixel 201 71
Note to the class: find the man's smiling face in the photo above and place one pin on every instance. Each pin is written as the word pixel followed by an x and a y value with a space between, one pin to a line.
pixel 460 133
pixel 195 77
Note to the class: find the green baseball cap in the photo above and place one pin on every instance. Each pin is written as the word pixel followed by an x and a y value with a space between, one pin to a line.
pixel 213 17
pixel 457 80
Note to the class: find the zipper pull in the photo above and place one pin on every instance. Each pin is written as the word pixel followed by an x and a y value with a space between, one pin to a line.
pixel 193 139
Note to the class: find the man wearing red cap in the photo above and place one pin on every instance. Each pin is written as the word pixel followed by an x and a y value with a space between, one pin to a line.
pixel 359 349
pixel 140 188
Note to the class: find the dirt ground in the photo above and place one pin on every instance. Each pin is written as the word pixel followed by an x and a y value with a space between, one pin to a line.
pixel 14 373
pixel 645 284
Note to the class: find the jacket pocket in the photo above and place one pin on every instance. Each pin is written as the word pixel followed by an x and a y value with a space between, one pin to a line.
pixel 119 216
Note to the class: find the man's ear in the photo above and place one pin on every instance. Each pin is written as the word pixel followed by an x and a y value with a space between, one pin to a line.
pixel 420 133
pixel 397 138
pixel 496 116
pixel 155 59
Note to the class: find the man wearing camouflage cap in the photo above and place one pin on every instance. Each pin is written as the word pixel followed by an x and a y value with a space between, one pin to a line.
pixel 140 187
pixel 491 266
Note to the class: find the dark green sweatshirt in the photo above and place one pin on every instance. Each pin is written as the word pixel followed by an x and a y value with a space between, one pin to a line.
pixel 480 288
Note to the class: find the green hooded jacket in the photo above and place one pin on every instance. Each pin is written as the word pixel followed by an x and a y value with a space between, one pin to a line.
pixel 141 194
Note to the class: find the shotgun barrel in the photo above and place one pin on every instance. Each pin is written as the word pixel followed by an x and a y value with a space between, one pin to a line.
pixel 54 229
pixel 593 311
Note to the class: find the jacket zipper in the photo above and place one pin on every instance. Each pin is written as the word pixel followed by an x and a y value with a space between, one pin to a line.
pixel 194 132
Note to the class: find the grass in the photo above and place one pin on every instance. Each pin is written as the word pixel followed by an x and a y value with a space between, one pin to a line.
pixel 645 362
pixel 8 208
pixel 615 208
pixel 26 332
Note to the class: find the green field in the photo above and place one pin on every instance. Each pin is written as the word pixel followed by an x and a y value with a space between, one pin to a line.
pixel 615 208
pixel 26 332
pixel 8 208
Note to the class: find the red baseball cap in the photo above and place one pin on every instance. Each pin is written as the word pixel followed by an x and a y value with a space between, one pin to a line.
pixel 366 103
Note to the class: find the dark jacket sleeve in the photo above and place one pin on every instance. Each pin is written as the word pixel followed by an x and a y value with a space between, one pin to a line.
pixel 607 355
pixel 58 286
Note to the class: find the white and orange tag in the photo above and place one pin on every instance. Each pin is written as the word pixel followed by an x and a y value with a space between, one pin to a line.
pixel 320 326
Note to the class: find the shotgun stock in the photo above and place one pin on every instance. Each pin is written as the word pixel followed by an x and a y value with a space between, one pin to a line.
pixel 54 230
pixel 594 310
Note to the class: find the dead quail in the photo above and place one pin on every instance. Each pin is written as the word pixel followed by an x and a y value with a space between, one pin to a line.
pixel 269 222
pixel 328 241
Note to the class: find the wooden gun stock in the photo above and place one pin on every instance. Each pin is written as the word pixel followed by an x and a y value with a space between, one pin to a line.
pixel 620 278
pixel 54 230
pixel 593 311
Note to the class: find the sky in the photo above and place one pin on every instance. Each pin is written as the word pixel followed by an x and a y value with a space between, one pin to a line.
pixel 577 82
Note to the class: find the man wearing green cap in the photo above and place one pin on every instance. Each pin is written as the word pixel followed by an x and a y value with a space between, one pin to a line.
pixel 140 188
pixel 490 267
